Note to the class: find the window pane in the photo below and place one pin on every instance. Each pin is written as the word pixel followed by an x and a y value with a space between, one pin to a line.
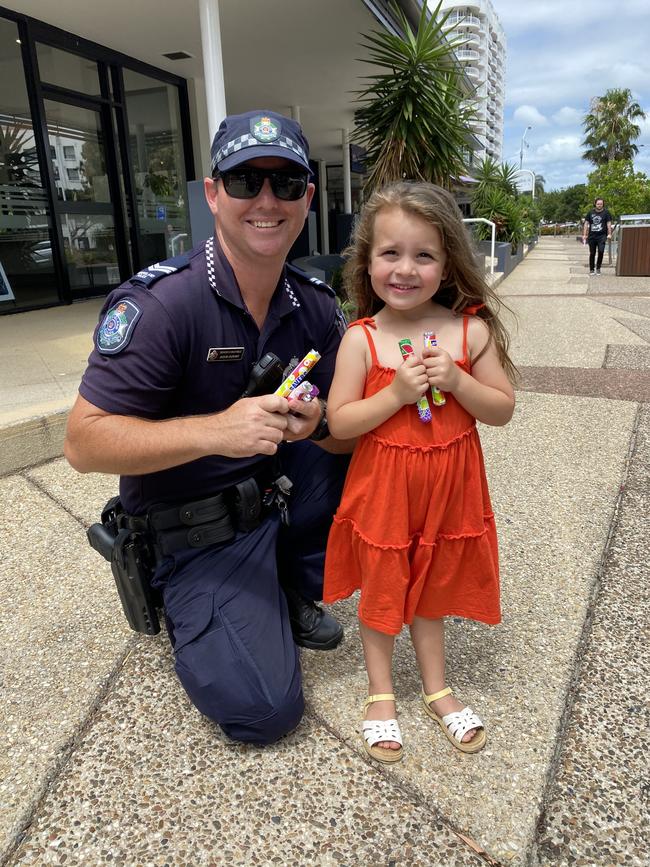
pixel 156 148
pixel 25 241
pixel 91 258
pixel 80 166
pixel 67 70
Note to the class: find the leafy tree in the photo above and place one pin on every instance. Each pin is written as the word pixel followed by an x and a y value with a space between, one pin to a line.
pixel 624 190
pixel 563 206
pixel 610 127
pixel 412 122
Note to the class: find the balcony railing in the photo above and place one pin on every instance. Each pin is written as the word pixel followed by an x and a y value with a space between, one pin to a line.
pixel 456 19
pixel 467 54
pixel 472 71
pixel 467 38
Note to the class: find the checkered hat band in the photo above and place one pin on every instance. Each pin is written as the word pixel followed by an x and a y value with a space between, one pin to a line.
pixel 247 140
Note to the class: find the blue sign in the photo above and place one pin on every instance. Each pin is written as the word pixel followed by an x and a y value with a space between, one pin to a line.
pixel 5 289
pixel 357 158
pixel 161 212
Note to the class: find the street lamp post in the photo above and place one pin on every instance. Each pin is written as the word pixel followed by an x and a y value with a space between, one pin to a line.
pixel 521 149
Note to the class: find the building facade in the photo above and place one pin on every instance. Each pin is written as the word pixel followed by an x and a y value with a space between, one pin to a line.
pixel 107 112
pixel 483 59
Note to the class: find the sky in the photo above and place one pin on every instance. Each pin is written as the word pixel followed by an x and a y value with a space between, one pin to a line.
pixel 560 54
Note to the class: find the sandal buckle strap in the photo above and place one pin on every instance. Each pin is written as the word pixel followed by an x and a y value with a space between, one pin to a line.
pixel 436 695
pixel 381 696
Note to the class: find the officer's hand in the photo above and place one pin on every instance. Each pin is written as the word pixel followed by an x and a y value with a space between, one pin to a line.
pixel 302 419
pixel 252 426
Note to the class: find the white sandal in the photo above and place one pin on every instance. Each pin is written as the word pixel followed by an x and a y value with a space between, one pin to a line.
pixel 455 725
pixel 376 731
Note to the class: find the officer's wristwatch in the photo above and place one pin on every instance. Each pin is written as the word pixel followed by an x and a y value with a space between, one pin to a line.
pixel 322 431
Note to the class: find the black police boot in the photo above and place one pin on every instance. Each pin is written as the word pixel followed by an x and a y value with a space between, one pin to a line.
pixel 312 627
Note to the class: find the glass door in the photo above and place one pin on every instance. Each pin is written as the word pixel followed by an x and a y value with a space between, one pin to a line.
pixel 84 203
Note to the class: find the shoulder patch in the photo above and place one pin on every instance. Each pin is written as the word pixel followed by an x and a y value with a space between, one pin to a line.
pixel 148 276
pixel 117 327
pixel 298 272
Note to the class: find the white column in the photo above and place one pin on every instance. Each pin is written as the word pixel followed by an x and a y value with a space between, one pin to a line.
pixel 295 113
pixel 324 212
pixel 212 64
pixel 347 176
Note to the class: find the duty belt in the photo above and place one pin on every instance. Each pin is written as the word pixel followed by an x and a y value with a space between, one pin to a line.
pixel 212 520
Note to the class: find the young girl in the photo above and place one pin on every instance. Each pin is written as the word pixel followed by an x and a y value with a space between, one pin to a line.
pixel 415 530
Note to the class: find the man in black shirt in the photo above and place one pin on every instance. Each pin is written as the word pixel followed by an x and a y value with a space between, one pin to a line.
pixel 597 229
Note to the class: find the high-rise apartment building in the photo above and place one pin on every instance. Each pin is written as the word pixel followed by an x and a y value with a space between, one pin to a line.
pixel 483 57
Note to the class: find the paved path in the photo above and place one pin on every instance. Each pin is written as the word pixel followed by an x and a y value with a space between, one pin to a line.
pixel 104 761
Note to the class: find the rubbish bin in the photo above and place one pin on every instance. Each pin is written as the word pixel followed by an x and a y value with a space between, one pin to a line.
pixel 633 258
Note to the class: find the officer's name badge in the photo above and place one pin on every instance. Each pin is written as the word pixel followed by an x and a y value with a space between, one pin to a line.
pixel 225 353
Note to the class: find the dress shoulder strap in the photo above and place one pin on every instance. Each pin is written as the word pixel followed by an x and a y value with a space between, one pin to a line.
pixel 471 310
pixel 367 323
pixel 465 327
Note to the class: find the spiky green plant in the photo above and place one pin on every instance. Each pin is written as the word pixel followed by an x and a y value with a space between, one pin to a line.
pixel 412 123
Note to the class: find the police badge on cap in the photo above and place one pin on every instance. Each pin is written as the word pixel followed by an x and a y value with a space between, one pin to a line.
pixel 264 129
pixel 244 137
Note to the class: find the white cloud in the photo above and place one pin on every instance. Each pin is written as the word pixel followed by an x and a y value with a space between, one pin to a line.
pixel 528 114
pixel 560 148
pixel 556 63
pixel 567 116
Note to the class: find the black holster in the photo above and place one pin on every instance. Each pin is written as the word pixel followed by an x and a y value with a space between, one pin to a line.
pixel 129 553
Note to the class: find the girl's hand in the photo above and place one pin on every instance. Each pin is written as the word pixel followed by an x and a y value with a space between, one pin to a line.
pixel 410 381
pixel 442 371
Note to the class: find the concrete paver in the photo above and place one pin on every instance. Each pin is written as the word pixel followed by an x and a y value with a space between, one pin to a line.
pixel 61 637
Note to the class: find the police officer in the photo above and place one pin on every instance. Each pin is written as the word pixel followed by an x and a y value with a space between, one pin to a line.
pixel 161 405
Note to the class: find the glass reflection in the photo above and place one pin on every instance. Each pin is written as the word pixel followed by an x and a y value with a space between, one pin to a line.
pixel 77 152
pixel 90 253
pixel 156 151
pixel 25 245
pixel 65 69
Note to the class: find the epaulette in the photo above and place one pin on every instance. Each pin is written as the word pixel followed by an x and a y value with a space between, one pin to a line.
pixel 309 279
pixel 148 276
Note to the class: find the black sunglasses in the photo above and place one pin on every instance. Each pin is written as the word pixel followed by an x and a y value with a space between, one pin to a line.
pixel 246 183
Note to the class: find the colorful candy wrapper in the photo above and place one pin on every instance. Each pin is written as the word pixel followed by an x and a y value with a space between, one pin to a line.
pixel 304 391
pixel 438 397
pixel 297 375
pixel 424 410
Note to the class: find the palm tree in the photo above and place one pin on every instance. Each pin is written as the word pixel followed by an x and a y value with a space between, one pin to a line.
pixel 610 129
pixel 412 123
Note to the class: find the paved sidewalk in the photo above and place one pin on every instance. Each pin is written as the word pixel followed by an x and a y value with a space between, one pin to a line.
pixel 104 761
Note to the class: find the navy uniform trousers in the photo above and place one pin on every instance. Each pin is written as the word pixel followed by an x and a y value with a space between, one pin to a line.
pixel 227 616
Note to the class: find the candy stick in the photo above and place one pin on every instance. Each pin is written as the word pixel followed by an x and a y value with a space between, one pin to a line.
pixel 424 410
pixel 438 396
pixel 299 372
pixel 304 391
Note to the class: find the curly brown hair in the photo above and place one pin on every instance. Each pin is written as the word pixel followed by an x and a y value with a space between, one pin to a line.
pixel 465 284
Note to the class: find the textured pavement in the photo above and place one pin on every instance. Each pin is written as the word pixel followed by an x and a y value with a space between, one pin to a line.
pixel 104 761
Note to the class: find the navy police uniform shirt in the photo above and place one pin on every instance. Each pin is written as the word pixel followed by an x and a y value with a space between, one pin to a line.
pixel 177 340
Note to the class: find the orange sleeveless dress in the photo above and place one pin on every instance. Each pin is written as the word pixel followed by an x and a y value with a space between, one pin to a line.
pixel 415 530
